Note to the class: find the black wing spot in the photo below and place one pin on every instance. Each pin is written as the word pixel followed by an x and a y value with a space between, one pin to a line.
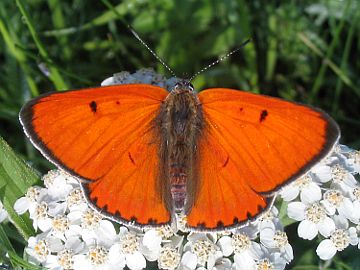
pixel 133 219
pixel 117 102
pixel 93 106
pixel 131 159
pixel 105 208
pixel 220 224
pixel 235 220
pixel 201 225
pixel 263 115
pixel 260 208
pixel 94 199
pixel 117 214
pixel 152 221
pixel 226 162
pixel 241 109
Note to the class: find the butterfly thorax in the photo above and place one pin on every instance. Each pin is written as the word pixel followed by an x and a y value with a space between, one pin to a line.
pixel 180 123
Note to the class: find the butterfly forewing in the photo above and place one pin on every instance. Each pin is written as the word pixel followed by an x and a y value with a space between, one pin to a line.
pixel 106 137
pixel 250 146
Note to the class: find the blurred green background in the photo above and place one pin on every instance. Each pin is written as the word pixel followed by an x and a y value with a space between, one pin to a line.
pixel 305 51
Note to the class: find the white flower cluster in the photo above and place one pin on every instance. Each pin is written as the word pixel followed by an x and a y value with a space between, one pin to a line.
pixel 72 236
pixel 326 201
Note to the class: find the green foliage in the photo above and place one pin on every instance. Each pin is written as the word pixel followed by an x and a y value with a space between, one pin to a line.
pixel 15 178
pixel 306 51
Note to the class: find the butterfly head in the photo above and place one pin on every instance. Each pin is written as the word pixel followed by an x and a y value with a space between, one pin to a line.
pixel 183 86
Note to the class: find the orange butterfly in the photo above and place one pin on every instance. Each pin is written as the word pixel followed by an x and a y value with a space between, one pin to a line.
pixel 142 153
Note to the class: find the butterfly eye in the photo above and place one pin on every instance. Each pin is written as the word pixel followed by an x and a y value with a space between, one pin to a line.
pixel 191 87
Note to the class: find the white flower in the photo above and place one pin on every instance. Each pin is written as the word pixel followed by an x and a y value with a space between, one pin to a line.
pixel 309 190
pixel 355 236
pixel 59 184
pixel 127 249
pixel 352 158
pixel 94 229
pixel 269 217
pixel 338 241
pixel 204 250
pixel 264 260
pixel 342 179
pixel 203 247
pixel 59 226
pixel 276 239
pixel 64 259
pixel 321 173
pixel 188 261
pixel 272 261
pixel 181 222
pixel 334 201
pixel 342 237
pixel 3 213
pixel 246 252
pixel 165 231
pixel 40 247
pixel 355 196
pixel 40 217
pixel 151 245
pixel 218 262
pixel 75 201
pixel 169 258
pixel 97 258
pixel 313 219
pixel 30 200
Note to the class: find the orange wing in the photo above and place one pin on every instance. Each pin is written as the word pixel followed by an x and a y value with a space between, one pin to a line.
pixel 105 136
pixel 250 146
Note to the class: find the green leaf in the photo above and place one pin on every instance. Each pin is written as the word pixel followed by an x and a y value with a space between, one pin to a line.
pixel 4 240
pixel 15 178
pixel 16 260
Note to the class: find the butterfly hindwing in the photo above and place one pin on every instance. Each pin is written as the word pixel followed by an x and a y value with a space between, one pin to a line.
pixel 106 137
pixel 250 146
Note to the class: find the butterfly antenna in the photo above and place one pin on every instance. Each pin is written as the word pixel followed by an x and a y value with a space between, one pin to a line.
pixel 150 50
pixel 222 58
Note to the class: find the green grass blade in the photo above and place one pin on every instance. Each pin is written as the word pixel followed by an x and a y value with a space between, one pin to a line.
pixel 329 54
pixel 107 16
pixel 58 20
pixel 336 69
pixel 6 246
pixel 55 75
pixel 16 260
pixel 344 61
pixel 52 64
pixel 15 178
pixel 4 240
pixel 11 40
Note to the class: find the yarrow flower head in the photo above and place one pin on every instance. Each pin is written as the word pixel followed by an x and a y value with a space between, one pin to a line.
pixel 169 258
pixel 71 235
pixel 309 191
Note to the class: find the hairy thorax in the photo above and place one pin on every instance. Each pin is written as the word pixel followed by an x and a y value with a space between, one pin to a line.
pixel 180 124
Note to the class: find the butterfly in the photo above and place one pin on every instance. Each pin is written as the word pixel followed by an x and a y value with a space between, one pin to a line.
pixel 142 154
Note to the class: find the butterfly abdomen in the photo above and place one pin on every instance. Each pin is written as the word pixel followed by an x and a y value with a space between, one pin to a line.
pixel 180 123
